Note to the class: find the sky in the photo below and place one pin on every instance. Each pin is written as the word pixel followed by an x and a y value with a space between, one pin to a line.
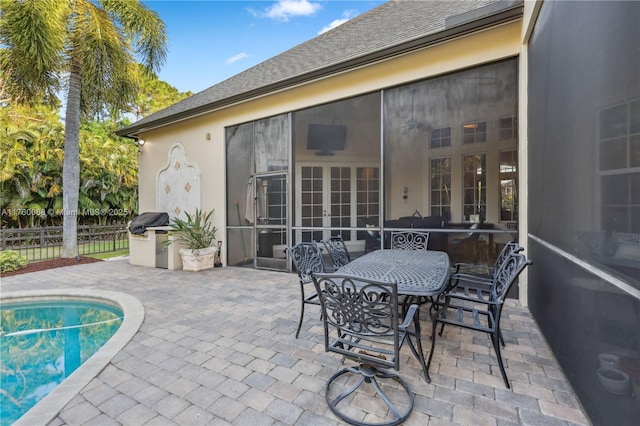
pixel 212 40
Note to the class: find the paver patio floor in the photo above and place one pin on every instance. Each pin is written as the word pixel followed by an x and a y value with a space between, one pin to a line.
pixel 218 347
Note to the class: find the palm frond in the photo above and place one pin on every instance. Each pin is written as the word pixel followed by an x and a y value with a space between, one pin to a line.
pixel 144 28
pixel 33 34
pixel 103 57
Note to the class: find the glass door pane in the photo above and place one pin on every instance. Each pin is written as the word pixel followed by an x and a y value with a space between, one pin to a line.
pixel 335 199
pixel 340 201
pixel 271 220
pixel 312 208
pixel 508 186
pixel 475 187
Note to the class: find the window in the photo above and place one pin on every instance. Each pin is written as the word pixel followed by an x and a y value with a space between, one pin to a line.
pixel 508 128
pixel 340 205
pixel 508 186
pixel 475 187
pixel 459 115
pixel 368 193
pixel 474 132
pixel 441 137
pixel 441 187
pixel 312 197
pixel 620 137
pixel 620 167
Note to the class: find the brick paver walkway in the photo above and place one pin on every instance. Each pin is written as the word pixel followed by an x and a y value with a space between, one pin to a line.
pixel 218 347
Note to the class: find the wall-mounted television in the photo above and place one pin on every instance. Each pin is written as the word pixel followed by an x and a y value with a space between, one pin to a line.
pixel 326 138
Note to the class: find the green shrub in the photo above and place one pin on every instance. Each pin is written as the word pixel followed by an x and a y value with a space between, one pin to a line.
pixel 11 260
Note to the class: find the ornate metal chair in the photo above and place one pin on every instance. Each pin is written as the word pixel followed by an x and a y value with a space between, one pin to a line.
pixel 362 323
pixel 482 281
pixel 507 250
pixel 307 259
pixel 337 250
pixel 409 240
pixel 478 308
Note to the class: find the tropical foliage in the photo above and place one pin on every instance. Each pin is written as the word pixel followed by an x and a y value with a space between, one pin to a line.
pixel 196 232
pixel 154 95
pixel 31 156
pixel 88 47
pixel 11 260
pixel 31 161
pixel 109 174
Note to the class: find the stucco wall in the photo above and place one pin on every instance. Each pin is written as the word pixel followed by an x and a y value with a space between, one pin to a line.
pixel 203 137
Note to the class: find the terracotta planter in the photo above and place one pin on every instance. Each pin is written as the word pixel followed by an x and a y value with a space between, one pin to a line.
pixel 198 260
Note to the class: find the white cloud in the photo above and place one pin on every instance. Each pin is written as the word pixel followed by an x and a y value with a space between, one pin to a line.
pixel 346 15
pixel 332 25
pixel 285 9
pixel 236 58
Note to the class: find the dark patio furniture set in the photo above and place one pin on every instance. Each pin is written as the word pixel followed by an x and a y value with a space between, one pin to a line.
pixel 370 306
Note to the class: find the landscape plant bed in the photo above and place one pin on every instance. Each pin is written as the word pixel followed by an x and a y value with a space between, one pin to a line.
pixel 50 264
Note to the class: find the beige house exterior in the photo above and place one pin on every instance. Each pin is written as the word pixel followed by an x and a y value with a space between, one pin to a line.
pixel 202 134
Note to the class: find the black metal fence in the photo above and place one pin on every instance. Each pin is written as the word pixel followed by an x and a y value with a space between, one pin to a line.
pixel 46 242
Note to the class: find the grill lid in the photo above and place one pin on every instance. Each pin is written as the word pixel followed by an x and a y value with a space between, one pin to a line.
pixel 140 223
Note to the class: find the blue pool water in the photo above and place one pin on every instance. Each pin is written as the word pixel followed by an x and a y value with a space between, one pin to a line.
pixel 41 343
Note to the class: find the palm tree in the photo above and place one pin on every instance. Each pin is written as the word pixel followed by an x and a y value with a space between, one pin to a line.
pixel 90 48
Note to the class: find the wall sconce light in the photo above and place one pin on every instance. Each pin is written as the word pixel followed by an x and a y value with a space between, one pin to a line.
pixel 139 144
pixel 405 194
pixel 207 136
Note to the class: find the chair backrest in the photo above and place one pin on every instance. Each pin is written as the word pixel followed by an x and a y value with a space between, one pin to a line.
pixel 337 250
pixel 409 240
pixel 506 276
pixel 365 314
pixel 307 259
pixel 507 250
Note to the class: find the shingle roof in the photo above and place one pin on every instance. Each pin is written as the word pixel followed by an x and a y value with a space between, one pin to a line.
pixel 365 38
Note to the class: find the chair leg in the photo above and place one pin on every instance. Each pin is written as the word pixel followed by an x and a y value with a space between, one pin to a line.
pixel 387 401
pixel 301 313
pixel 370 375
pixel 496 345
pixel 433 339
pixel 417 351
pixel 442 325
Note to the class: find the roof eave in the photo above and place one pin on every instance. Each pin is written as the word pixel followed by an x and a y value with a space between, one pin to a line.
pixel 511 13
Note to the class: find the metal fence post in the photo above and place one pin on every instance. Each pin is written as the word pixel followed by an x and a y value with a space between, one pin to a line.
pixel 42 244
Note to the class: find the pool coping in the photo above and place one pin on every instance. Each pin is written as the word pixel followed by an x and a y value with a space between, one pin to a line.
pixel 133 311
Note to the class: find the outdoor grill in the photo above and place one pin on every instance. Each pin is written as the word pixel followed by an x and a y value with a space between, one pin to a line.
pixel 139 224
pixel 147 240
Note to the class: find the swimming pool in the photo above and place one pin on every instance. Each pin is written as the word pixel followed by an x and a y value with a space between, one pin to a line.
pixel 47 343
pixel 42 343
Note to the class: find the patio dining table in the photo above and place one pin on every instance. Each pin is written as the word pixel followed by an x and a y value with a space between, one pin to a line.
pixel 420 273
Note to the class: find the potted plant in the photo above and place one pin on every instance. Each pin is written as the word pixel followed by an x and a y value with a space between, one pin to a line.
pixel 198 234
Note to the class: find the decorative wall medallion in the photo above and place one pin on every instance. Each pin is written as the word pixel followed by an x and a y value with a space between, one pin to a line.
pixel 178 184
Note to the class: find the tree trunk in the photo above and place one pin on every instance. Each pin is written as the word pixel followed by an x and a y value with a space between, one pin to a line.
pixel 71 166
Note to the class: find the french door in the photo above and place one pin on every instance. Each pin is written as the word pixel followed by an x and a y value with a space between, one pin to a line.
pixel 331 198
